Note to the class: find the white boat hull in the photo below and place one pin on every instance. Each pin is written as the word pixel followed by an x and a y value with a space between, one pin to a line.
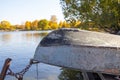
pixel 105 60
pixel 79 49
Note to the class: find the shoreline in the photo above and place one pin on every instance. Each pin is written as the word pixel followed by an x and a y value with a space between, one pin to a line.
pixel 21 30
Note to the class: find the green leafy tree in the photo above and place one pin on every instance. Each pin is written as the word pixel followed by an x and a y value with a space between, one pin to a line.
pixel 103 14
pixel 43 24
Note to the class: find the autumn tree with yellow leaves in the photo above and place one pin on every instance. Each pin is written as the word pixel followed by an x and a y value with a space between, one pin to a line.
pixel 53 22
pixel 34 25
pixel 5 25
pixel 43 24
pixel 28 25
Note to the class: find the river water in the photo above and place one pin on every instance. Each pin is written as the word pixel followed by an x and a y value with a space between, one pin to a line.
pixel 20 46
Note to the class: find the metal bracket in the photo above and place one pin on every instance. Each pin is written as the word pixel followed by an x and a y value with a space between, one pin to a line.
pixel 5 68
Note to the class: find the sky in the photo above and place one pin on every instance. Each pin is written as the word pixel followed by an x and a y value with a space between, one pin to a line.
pixel 19 11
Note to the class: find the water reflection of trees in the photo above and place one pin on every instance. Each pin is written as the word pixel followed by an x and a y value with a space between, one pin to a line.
pixel 43 34
pixel 34 36
pixel 68 74
pixel 29 36
pixel 5 37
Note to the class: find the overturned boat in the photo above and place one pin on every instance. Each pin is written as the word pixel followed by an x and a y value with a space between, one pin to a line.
pixel 80 49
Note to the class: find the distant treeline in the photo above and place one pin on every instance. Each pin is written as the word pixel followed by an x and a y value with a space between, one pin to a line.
pixel 42 24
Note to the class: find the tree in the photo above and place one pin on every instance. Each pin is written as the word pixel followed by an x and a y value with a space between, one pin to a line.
pixel 65 25
pixel 75 24
pixel 60 24
pixel 28 25
pixel 0 26
pixel 20 27
pixel 43 24
pixel 5 25
pixel 105 14
pixel 34 25
pixel 53 25
pixel 53 22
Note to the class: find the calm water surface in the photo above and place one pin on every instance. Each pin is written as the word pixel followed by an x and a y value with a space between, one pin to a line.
pixel 20 46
